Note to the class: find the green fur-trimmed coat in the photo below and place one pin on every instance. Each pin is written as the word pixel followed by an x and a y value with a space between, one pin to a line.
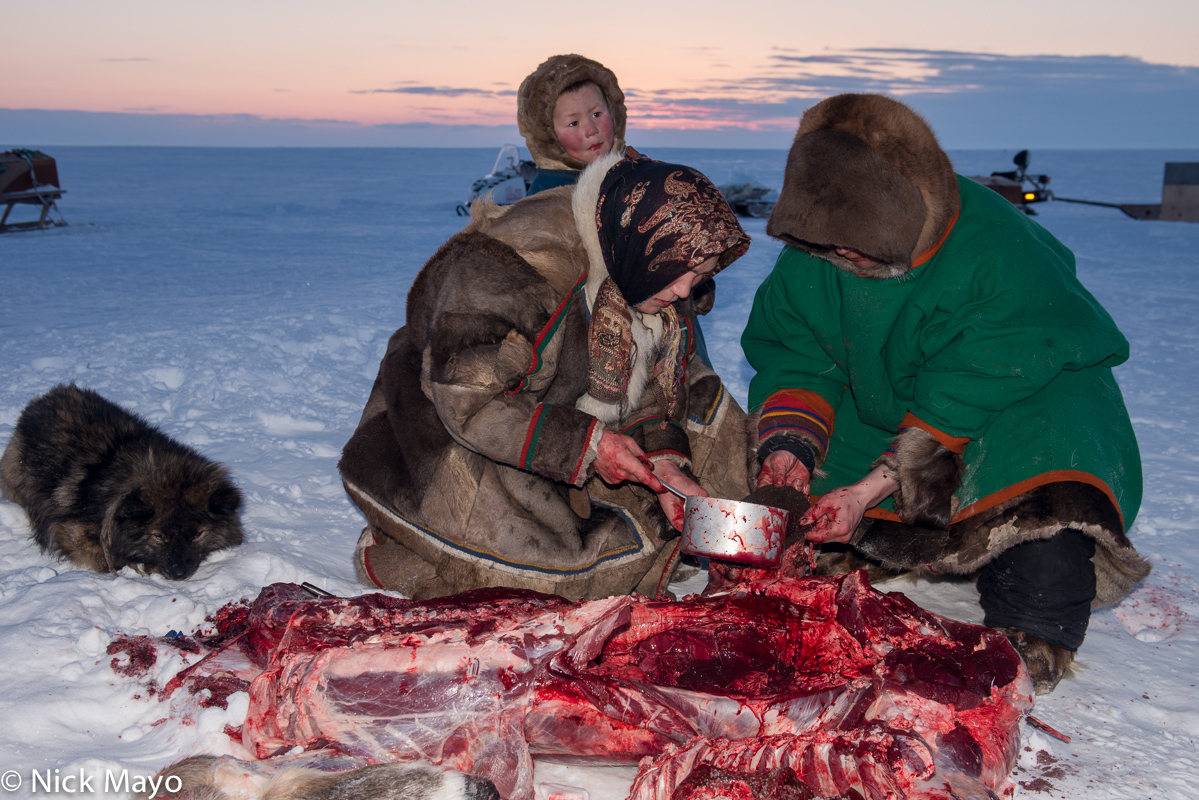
pixel 473 459
pixel 994 348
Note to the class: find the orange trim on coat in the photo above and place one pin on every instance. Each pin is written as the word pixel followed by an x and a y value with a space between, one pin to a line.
pixel 932 251
pixel 1015 490
pixel 955 444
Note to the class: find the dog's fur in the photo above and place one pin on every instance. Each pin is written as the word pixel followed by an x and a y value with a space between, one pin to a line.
pixel 225 778
pixel 105 489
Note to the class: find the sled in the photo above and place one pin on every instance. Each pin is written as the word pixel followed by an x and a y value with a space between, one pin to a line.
pixel 1180 196
pixel 507 182
pixel 29 177
pixel 747 197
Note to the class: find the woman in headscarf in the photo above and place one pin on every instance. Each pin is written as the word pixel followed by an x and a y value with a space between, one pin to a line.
pixel 543 383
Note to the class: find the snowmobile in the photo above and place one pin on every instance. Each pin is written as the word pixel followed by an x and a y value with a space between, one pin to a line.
pixel 1011 184
pixel 1180 191
pixel 507 182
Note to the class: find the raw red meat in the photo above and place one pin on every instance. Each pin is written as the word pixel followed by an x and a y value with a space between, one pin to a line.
pixel 869 762
pixel 820 681
pixel 712 783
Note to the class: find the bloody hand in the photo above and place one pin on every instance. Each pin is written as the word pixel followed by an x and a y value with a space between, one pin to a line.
pixel 620 460
pixel 837 514
pixel 671 503
pixel 783 469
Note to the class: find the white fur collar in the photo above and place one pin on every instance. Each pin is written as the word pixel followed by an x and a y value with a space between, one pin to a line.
pixel 586 198
pixel 647 328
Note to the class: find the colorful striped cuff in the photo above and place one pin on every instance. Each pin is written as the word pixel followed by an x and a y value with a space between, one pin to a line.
pixel 797 411
pixel 659 422
pixel 594 433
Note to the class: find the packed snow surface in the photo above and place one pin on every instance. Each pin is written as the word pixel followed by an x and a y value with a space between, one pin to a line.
pixel 241 300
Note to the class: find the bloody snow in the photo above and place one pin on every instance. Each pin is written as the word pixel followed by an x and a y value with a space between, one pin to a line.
pixel 241 299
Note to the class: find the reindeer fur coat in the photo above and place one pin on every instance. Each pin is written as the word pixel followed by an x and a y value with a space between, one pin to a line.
pixel 473 460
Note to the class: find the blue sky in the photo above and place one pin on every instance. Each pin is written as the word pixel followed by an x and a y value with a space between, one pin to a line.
pixel 373 73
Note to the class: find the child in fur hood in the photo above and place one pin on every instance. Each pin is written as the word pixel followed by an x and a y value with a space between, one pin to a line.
pixel 930 349
pixel 571 111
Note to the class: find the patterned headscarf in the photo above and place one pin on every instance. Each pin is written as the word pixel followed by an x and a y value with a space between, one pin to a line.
pixel 657 220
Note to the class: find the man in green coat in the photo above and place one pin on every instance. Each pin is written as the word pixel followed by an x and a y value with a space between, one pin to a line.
pixel 930 368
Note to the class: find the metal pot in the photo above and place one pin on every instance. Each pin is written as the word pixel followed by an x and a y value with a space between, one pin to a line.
pixel 732 530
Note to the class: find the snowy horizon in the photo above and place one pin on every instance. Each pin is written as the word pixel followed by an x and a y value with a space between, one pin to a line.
pixel 241 299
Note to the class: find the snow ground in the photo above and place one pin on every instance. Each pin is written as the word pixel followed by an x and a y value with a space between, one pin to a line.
pixel 241 299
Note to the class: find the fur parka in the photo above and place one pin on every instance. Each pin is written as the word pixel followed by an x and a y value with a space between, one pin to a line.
pixel 474 456
pixel 537 95
pixel 971 362
pixel 865 172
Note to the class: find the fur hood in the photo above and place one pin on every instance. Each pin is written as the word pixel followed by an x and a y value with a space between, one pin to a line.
pixel 535 107
pixel 865 172
pixel 584 205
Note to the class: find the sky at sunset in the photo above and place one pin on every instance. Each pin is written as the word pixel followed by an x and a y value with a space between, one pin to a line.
pixel 369 72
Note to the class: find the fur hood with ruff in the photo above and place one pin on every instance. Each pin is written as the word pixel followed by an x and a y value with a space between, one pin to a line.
pixel 865 172
pixel 535 107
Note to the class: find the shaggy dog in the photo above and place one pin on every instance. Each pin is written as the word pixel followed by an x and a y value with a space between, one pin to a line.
pixel 105 489
pixel 226 778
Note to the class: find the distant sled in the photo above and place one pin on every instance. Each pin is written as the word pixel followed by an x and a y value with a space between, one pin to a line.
pixel 29 177
pixel 508 181
pixel 1180 196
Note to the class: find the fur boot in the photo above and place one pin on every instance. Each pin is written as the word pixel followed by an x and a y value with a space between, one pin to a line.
pixel 1047 663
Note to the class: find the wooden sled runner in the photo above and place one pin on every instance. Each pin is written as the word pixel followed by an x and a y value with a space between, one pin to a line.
pixel 29 177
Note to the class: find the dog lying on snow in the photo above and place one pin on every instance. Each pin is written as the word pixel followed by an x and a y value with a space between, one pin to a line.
pixel 106 489
pixel 227 778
